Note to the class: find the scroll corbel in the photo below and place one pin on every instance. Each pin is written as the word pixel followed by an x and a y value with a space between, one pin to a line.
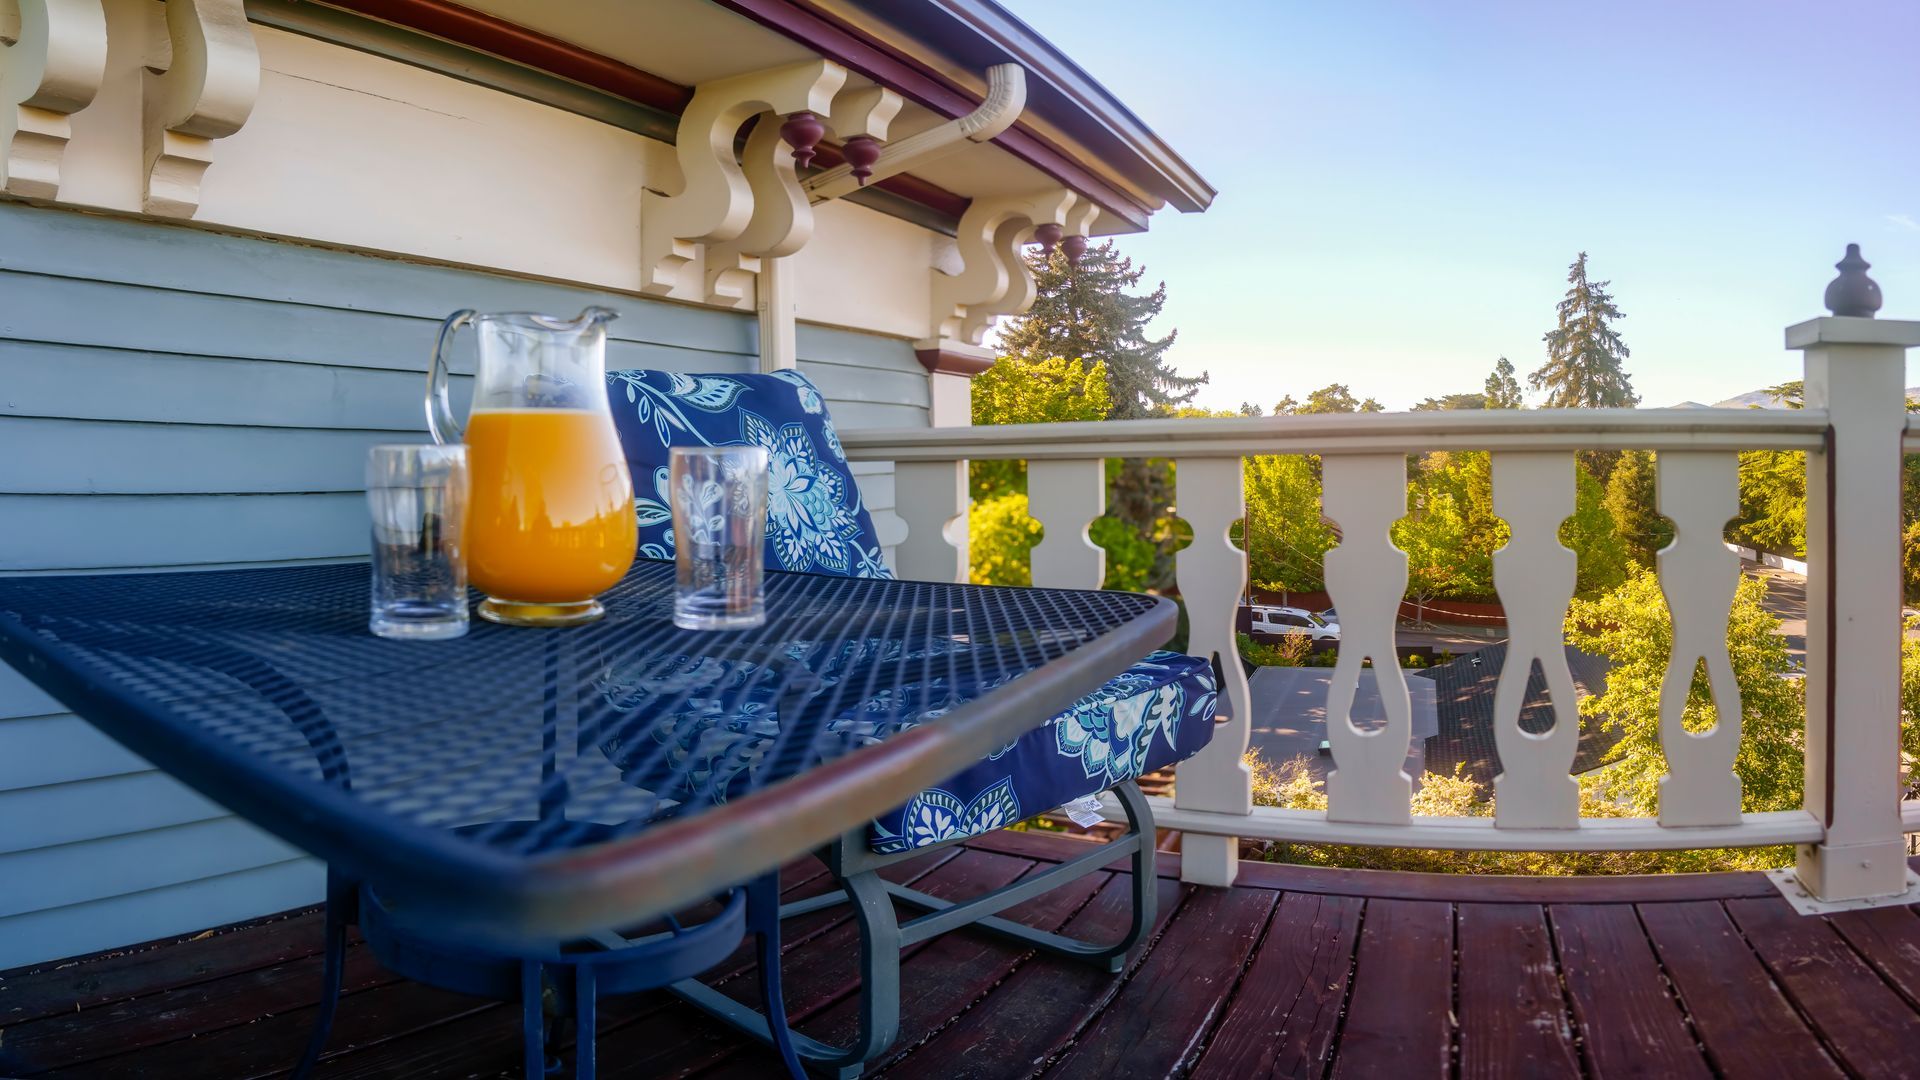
pixel 994 279
pixel 781 219
pixel 53 56
pixel 205 93
pixel 717 199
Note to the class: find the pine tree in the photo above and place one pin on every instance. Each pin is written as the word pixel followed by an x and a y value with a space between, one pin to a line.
pixel 1631 501
pixel 1584 352
pixel 1085 311
pixel 1502 389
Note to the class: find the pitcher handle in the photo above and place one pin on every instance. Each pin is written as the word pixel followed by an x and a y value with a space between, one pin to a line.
pixel 440 422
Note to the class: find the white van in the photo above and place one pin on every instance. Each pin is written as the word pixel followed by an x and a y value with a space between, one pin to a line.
pixel 1289 620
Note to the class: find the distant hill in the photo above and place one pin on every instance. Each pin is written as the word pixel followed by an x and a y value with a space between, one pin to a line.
pixel 1765 400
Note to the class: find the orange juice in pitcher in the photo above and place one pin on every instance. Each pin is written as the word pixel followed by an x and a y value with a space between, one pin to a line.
pixel 550 522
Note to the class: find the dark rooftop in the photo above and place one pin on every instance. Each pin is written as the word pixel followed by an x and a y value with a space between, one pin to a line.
pixel 1464 698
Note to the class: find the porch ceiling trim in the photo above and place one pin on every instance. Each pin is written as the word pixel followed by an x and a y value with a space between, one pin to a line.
pixel 856 50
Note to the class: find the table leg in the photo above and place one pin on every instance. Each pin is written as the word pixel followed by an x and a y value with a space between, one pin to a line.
pixel 342 901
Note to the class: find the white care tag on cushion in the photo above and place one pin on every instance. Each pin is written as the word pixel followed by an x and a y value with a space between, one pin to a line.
pixel 1084 812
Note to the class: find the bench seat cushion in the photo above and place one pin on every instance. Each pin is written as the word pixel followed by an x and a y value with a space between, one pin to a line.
pixel 1157 713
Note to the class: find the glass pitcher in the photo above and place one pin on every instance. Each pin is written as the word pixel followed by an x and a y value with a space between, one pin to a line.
pixel 550 522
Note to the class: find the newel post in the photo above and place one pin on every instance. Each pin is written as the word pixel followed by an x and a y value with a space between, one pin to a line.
pixel 1856 371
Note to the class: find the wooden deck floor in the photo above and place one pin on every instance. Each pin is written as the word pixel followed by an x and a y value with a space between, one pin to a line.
pixel 1294 972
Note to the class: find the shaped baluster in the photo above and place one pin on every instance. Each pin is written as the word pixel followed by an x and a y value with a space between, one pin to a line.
pixel 1534 574
pixel 1210 497
pixel 931 497
pixel 1700 492
pixel 1365 494
pixel 1065 497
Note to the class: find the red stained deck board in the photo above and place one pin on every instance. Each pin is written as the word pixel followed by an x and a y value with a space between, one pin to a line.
pixel 69 1039
pixel 1398 1018
pixel 1513 1017
pixel 1284 1016
pixel 234 1005
pixel 1629 1023
pixel 1158 1023
pixel 1043 1004
pixel 1745 1022
pixel 1889 938
pixel 271 1044
pixel 1863 1019
pixel 48 989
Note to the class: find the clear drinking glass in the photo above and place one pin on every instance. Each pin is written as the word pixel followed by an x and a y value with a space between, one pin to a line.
pixel 417 495
pixel 719 529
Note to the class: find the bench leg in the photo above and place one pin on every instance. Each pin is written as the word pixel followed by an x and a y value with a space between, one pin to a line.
pixel 872 911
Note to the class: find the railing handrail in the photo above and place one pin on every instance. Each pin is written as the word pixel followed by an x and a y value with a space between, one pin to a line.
pixel 1354 433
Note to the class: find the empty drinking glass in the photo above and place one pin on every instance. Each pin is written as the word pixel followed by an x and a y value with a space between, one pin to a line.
pixel 417 495
pixel 719 527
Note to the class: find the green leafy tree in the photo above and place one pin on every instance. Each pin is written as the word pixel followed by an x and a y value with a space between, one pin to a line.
pixel 1584 353
pixel 1452 402
pixel 1332 398
pixel 1019 390
pixel 1285 536
pixel 1502 390
pixel 1087 311
pixel 1451 533
pixel 1631 502
pixel 1000 538
pixel 1630 627
pixel 1603 559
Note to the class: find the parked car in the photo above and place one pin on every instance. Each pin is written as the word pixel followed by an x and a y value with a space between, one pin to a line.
pixel 1290 620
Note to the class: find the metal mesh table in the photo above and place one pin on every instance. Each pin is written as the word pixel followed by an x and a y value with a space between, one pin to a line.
pixel 521 783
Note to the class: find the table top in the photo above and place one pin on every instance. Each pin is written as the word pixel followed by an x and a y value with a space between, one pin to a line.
pixel 524 783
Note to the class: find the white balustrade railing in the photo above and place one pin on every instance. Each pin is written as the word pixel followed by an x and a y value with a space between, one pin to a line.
pixel 1851 828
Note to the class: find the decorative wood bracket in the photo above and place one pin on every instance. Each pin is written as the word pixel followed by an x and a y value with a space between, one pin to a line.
pixel 205 93
pixel 780 218
pixel 994 279
pixel 717 200
pixel 53 55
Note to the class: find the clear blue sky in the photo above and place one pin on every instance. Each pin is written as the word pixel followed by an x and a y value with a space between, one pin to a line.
pixel 1402 185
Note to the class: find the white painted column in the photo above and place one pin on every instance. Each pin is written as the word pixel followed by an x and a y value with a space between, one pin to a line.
pixel 779 349
pixel 932 496
pixel 1856 370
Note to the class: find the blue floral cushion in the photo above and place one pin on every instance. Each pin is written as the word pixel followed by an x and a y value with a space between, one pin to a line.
pixel 816 522
pixel 1157 713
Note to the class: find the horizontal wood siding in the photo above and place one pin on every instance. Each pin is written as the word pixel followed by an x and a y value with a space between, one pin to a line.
pixel 174 398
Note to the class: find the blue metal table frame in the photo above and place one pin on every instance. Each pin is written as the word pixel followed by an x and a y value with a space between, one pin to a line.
pixel 465 787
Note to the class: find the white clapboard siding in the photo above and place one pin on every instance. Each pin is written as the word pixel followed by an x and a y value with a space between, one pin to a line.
pixel 1534 574
pixel 175 398
pixel 1700 493
pixel 1365 494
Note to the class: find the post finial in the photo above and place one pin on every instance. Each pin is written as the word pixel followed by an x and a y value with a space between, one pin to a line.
pixel 1853 293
